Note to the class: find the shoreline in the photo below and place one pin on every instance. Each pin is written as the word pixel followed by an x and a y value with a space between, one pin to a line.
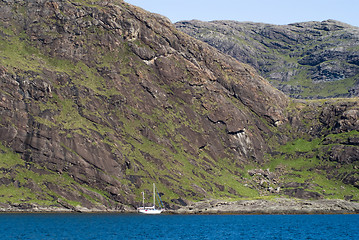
pixel 274 206
pixel 278 206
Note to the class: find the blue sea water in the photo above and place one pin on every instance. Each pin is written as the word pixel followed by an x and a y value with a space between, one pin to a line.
pixel 132 226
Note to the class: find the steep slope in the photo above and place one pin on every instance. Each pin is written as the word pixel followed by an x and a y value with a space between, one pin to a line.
pixel 100 99
pixel 304 60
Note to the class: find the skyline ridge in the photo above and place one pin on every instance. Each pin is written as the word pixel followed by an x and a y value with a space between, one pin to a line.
pixel 279 12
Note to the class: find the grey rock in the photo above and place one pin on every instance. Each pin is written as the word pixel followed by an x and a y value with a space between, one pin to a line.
pixel 275 206
pixel 322 53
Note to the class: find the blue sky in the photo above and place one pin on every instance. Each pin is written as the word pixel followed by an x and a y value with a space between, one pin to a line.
pixel 266 11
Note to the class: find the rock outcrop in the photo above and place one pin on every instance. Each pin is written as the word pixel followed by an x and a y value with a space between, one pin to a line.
pixel 274 206
pixel 304 60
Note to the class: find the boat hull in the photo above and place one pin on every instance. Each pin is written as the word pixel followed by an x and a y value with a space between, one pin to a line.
pixel 150 211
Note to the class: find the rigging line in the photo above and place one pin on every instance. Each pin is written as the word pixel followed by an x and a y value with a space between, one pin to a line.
pixel 159 200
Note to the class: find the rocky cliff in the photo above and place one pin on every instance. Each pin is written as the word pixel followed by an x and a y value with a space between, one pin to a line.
pixel 98 100
pixel 304 60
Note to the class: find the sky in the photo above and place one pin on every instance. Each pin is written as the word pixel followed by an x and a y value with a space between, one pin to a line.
pixel 265 11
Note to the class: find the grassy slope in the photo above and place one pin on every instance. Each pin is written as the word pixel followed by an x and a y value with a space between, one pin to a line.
pixel 299 163
pixel 217 178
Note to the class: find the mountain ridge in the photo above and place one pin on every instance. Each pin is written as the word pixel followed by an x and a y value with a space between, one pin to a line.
pixel 305 60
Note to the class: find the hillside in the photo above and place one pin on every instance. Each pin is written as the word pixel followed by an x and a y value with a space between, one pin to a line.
pixel 98 100
pixel 304 60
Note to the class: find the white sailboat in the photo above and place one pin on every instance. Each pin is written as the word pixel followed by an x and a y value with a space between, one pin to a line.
pixel 153 209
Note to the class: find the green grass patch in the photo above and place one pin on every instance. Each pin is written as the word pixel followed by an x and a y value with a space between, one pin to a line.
pixel 9 159
pixel 300 145
pixel 12 194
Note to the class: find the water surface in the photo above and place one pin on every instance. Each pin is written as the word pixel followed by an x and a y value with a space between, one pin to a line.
pixel 132 226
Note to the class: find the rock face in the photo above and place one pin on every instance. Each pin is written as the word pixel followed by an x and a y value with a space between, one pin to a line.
pixel 304 60
pixel 98 100
pixel 275 206
pixel 333 138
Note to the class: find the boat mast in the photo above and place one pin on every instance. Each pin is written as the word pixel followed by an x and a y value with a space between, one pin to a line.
pixel 143 199
pixel 154 195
